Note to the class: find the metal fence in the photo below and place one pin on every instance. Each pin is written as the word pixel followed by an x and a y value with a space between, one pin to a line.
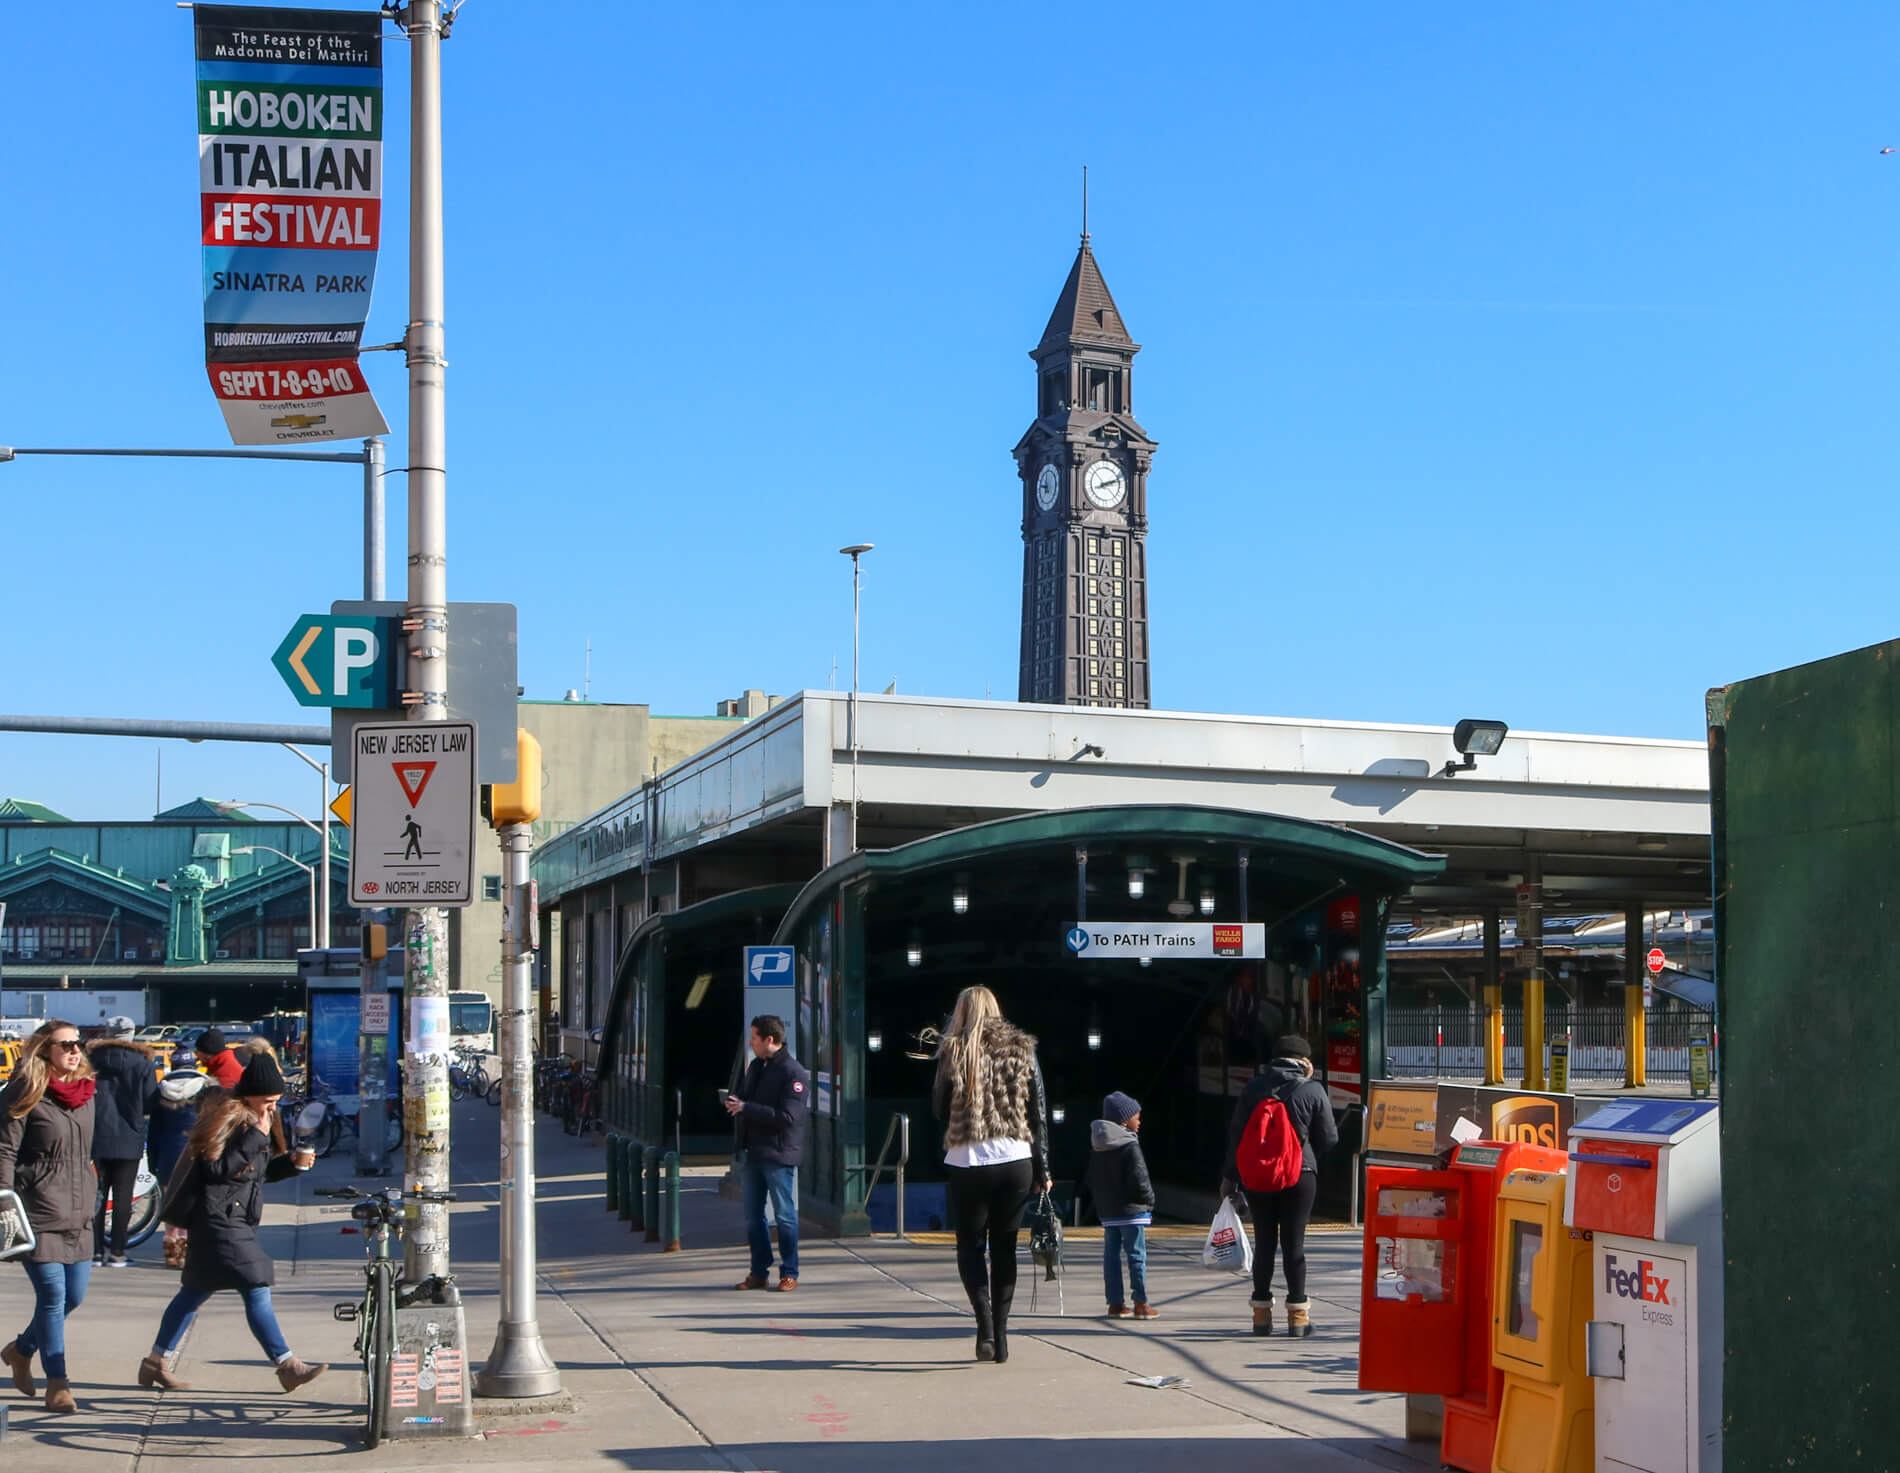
pixel 1448 1042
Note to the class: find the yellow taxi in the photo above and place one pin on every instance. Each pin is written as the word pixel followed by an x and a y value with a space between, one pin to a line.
pixel 9 1056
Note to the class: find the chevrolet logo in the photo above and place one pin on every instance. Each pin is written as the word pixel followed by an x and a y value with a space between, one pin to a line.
pixel 298 421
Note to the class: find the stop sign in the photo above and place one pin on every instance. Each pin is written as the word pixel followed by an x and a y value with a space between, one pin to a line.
pixel 1655 960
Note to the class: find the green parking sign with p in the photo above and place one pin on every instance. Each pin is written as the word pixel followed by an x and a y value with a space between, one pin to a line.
pixel 347 660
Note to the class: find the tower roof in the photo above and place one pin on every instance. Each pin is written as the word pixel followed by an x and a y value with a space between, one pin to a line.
pixel 1085 311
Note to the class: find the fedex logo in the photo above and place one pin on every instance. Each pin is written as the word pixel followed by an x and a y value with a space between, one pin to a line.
pixel 1637 1283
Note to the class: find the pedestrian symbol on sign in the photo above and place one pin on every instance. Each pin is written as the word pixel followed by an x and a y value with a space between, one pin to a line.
pixel 412 838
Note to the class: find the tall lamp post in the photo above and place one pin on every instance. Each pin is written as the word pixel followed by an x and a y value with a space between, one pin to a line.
pixel 308 869
pixel 855 552
pixel 231 805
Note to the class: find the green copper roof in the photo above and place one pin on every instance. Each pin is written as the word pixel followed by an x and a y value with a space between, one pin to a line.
pixel 204 809
pixel 23 810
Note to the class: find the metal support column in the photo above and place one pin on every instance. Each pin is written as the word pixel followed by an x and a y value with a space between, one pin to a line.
pixel 1635 1014
pixel 519 1364
pixel 1530 955
pixel 1493 999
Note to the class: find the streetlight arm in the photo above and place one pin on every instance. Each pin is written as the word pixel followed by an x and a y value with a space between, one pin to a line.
pixel 233 805
pixel 309 869
pixel 8 452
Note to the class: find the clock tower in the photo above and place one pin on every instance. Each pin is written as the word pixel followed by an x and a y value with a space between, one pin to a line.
pixel 1084 468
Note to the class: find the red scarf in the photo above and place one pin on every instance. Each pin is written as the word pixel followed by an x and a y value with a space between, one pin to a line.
pixel 72 1093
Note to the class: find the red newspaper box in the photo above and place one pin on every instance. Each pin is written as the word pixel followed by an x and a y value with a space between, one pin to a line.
pixel 1425 1294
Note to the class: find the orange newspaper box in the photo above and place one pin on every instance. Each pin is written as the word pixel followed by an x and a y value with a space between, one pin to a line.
pixel 1426 1287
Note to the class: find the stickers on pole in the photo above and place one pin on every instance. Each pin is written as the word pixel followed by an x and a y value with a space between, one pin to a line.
pixel 413 842
pixel 290 179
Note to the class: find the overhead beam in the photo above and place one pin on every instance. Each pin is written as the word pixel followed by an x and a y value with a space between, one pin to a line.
pixel 184 731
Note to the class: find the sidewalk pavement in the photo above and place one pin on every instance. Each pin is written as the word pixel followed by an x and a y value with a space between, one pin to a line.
pixel 868 1366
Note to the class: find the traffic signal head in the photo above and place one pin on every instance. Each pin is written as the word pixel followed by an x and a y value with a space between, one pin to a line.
pixel 375 943
pixel 520 800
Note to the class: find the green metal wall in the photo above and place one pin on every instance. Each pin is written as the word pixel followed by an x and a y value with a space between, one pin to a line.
pixel 1807 798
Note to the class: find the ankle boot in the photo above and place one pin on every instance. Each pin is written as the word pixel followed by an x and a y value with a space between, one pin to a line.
pixel 1299 1323
pixel 985 1326
pixel 293 1373
pixel 153 1375
pixel 21 1364
pixel 1002 1300
pixel 59 1395
pixel 1262 1317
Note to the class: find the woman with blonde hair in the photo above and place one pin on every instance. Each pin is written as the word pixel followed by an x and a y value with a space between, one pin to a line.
pixel 46 1116
pixel 217 1194
pixel 990 1097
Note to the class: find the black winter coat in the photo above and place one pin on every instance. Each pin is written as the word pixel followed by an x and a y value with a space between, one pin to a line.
pixel 1117 1173
pixel 223 1251
pixel 776 1093
pixel 128 1083
pixel 46 1156
pixel 1307 1105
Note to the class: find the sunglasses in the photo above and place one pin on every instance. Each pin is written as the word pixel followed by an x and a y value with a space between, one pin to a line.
pixel 67 1043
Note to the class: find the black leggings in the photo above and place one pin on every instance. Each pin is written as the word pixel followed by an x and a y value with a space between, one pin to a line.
pixel 1283 1215
pixel 117 1178
pixel 986 1208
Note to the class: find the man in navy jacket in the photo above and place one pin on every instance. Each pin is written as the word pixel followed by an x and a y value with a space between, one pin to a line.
pixel 770 1108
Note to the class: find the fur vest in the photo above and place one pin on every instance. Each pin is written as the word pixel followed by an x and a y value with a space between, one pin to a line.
pixel 1006 1066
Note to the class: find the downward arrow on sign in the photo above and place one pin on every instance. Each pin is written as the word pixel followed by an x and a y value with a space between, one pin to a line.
pixel 414 777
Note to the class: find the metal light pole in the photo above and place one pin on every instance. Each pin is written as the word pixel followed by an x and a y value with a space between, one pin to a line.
pixel 855 551
pixel 426 931
pixel 370 458
pixel 308 869
pixel 519 1364
pixel 232 805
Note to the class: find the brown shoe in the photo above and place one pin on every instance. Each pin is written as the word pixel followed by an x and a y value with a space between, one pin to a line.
pixel 154 1376
pixel 59 1396
pixel 1263 1318
pixel 1299 1319
pixel 751 1281
pixel 21 1366
pixel 785 1285
pixel 1147 1312
pixel 293 1373
pixel 1116 1311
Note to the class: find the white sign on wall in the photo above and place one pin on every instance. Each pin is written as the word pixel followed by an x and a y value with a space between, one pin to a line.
pixel 1158 939
pixel 376 1012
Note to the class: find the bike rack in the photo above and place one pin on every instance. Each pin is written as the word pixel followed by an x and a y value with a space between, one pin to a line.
pixel 900 1128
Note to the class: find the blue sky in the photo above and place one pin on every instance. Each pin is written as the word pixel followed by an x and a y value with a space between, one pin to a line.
pixel 1533 363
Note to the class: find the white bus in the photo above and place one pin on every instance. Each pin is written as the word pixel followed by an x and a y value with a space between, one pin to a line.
pixel 472 1021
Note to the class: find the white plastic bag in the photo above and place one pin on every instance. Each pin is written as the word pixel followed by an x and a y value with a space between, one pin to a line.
pixel 1229 1246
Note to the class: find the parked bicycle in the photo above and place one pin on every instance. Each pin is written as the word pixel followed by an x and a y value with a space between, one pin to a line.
pixel 318 1123
pixel 384 1291
pixel 582 1112
pixel 469 1076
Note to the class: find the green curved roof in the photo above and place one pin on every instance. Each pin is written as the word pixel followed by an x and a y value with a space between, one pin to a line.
pixel 1368 861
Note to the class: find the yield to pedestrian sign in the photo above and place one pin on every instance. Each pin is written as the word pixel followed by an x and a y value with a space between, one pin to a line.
pixel 413 839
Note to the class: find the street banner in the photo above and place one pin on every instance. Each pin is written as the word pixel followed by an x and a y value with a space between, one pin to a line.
pixel 290 176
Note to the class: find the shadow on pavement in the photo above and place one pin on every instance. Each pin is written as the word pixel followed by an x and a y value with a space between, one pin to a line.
pixel 1140 1454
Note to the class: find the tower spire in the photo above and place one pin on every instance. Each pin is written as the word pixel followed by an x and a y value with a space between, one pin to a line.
pixel 1085 204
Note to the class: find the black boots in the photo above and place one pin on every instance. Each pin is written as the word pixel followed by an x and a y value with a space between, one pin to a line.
pixel 1003 1299
pixel 985 1326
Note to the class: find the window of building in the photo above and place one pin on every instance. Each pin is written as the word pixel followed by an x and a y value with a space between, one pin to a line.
pixel 491 887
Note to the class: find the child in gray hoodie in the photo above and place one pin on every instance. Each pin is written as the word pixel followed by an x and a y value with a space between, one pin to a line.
pixel 1124 1201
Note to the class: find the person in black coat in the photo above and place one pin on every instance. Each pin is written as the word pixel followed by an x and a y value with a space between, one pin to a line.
pixel 1124 1198
pixel 128 1084
pixel 217 1194
pixel 1284 1215
pixel 770 1109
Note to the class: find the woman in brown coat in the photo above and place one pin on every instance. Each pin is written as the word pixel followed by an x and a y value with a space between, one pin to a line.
pixel 46 1116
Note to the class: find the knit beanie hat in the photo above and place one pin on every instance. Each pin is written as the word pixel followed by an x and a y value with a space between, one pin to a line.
pixel 260 1077
pixel 1119 1109
pixel 1292 1046
pixel 211 1041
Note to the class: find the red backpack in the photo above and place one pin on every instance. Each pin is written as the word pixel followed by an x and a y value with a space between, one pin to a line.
pixel 1271 1155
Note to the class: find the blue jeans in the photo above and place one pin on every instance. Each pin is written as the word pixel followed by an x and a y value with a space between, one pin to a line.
pixel 1133 1240
pixel 58 1289
pixel 781 1181
pixel 257 1309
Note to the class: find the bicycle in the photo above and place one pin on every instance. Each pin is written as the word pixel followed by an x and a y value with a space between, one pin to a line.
pixel 320 1125
pixel 383 1291
pixel 467 1076
pixel 582 1112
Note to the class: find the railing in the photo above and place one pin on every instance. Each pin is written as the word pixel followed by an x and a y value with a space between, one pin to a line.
pixel 899 1128
pixel 1448 1042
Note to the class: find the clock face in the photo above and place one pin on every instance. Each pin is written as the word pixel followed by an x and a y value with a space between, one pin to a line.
pixel 1104 484
pixel 1048 487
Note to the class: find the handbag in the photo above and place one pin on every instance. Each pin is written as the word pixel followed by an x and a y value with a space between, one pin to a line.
pixel 1045 1247
pixel 16 1230
pixel 182 1193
